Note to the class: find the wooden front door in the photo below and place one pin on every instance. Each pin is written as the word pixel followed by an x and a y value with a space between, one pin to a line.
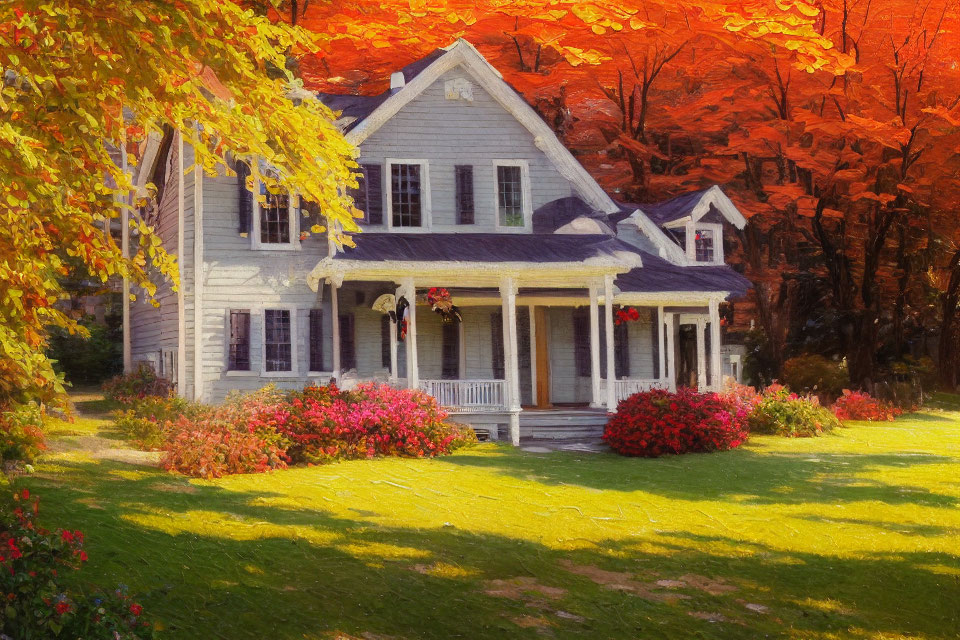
pixel 541 327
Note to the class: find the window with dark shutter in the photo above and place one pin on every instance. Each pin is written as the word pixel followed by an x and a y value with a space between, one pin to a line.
pixel 348 349
pixel 496 340
pixel 385 328
pixel 581 342
pixel 464 188
pixel 278 349
pixel 406 195
pixel 450 351
pixel 316 340
pixel 368 196
pixel 245 198
pixel 239 356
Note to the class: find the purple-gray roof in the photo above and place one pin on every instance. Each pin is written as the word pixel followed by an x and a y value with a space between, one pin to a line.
pixel 659 275
pixel 482 247
pixel 556 213
pixel 674 208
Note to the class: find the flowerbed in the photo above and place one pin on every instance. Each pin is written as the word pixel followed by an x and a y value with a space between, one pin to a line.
pixel 859 405
pixel 658 422
pixel 267 429
pixel 36 604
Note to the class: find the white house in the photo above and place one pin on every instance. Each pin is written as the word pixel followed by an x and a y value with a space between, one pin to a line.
pixel 465 188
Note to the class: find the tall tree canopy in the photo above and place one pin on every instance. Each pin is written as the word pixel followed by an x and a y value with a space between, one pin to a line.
pixel 834 125
pixel 84 82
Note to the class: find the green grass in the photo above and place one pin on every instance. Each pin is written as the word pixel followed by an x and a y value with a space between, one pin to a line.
pixel 852 535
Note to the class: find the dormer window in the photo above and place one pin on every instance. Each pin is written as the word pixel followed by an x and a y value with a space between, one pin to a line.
pixel 703 247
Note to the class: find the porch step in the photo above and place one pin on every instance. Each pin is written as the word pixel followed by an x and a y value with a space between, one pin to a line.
pixel 562 424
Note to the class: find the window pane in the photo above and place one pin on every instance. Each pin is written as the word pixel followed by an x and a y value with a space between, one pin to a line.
pixel 275 219
pixel 405 193
pixel 510 196
pixel 704 245
pixel 277 340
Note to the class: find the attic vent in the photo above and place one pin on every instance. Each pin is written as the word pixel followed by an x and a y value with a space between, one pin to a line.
pixel 397 80
pixel 458 89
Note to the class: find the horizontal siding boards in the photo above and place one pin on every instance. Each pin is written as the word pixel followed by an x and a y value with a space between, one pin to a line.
pixel 448 133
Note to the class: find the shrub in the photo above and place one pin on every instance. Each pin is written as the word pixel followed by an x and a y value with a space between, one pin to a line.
pixel 658 422
pixel 21 432
pixel 36 602
pixel 815 374
pixel 780 412
pixel 142 383
pixel 324 423
pixel 145 420
pixel 859 405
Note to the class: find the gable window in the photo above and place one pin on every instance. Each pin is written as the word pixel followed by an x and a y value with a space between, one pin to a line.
pixel 703 248
pixel 409 199
pixel 239 355
pixel 277 340
pixel 275 225
pixel 512 193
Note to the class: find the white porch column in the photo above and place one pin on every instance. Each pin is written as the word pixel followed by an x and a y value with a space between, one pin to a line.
pixel 661 369
pixel 608 325
pixel 394 374
pixel 596 400
pixel 701 355
pixel 413 370
pixel 335 331
pixel 508 293
pixel 716 370
pixel 671 357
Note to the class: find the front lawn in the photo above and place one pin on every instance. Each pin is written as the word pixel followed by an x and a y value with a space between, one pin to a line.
pixel 855 534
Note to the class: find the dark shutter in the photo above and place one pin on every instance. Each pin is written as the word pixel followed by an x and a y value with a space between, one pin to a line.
pixel 239 359
pixel 496 337
pixel 316 340
pixel 464 184
pixel 373 179
pixel 581 341
pixel 348 350
pixel 450 351
pixel 368 196
pixel 245 198
pixel 385 328
pixel 621 350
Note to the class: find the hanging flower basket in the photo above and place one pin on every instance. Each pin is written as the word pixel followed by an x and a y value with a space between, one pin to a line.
pixel 441 302
pixel 627 314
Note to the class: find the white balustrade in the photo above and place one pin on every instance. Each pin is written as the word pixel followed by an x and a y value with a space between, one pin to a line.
pixel 626 387
pixel 468 396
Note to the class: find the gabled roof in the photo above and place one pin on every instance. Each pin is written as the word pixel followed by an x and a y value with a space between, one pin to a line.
pixel 695 205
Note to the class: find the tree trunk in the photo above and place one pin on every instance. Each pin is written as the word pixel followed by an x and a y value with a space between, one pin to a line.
pixel 947 349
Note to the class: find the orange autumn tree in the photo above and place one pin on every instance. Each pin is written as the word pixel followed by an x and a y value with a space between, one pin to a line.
pixel 832 125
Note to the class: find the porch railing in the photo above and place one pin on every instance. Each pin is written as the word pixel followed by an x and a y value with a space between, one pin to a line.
pixel 626 387
pixel 468 396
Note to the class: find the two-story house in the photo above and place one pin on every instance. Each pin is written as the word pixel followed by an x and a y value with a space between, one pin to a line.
pixel 466 188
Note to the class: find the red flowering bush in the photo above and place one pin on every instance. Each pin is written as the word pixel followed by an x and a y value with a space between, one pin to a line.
pixel 321 424
pixel 627 314
pixel 658 422
pixel 35 601
pixel 860 405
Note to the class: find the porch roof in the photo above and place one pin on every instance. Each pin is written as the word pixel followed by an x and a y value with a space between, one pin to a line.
pixel 659 275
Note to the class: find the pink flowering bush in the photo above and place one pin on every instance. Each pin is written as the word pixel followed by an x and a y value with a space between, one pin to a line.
pixel 658 422
pixel 860 405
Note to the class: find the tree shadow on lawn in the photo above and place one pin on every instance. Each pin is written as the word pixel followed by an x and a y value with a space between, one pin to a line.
pixel 303 573
pixel 740 475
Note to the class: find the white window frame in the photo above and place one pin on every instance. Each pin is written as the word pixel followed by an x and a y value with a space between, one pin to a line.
pixel 294 243
pixel 294 371
pixel 691 248
pixel 525 193
pixel 426 208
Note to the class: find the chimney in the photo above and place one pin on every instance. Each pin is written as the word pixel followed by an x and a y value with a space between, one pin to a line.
pixel 397 80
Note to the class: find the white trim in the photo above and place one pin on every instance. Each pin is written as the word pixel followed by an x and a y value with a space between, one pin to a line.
pixel 197 282
pixel 525 195
pixel 294 223
pixel 294 371
pixel 462 53
pixel 181 289
pixel 511 368
pixel 426 208
pixel 690 232
pixel 716 197
pixel 669 250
